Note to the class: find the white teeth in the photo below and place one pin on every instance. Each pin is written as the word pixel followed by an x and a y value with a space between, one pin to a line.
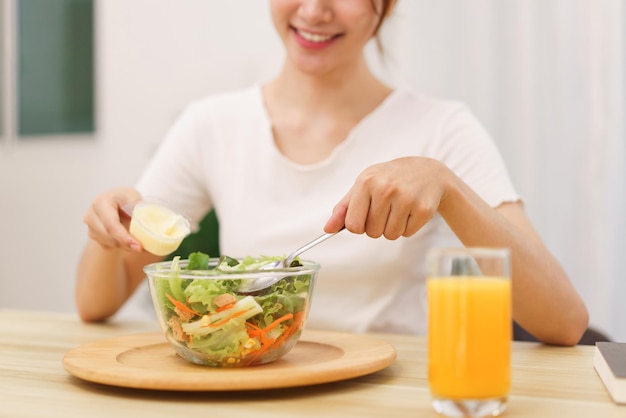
pixel 314 37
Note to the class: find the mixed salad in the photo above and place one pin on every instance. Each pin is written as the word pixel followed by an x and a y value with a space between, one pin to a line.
pixel 225 327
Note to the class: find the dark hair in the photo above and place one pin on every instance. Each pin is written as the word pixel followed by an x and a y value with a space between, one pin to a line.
pixel 383 12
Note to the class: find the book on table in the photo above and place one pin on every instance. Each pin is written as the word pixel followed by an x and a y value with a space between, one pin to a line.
pixel 610 364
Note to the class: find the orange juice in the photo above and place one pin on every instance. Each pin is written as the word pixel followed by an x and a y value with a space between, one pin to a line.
pixel 469 337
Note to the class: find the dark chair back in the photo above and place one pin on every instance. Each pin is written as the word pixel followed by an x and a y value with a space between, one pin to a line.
pixel 590 337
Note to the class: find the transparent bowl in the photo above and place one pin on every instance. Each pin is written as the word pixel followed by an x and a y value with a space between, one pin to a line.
pixel 208 322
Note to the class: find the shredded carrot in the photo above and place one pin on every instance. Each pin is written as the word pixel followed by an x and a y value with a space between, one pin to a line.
pixel 224 321
pixel 181 305
pixel 256 332
pixel 254 327
pixel 257 353
pixel 223 308
pixel 267 343
pixel 278 321
pixel 291 330
pixel 253 330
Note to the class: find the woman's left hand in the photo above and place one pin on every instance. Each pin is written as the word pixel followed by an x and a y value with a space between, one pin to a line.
pixel 393 199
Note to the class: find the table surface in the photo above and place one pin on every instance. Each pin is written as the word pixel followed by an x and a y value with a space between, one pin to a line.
pixel 547 381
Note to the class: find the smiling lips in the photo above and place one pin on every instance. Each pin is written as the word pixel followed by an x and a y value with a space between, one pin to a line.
pixel 313 40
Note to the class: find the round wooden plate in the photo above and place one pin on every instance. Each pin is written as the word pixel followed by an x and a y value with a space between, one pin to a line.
pixel 146 361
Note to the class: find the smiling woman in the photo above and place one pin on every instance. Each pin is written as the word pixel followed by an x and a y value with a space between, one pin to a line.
pixel 311 29
pixel 325 144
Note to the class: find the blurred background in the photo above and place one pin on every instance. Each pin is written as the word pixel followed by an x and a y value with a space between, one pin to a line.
pixel 89 87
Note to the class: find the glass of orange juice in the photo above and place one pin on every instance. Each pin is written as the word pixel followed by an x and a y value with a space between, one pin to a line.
pixel 469 330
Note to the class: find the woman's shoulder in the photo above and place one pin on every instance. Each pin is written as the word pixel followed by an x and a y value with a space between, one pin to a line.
pixel 226 110
pixel 417 110
pixel 409 98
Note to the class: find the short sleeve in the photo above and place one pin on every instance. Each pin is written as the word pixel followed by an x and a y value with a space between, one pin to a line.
pixel 174 173
pixel 468 150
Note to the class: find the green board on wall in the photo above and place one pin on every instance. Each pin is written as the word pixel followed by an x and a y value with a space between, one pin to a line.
pixel 55 77
pixel 2 71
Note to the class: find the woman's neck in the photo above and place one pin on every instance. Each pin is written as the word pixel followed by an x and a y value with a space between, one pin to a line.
pixel 344 93
pixel 311 115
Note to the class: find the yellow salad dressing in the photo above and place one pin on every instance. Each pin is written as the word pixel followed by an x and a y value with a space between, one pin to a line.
pixel 159 229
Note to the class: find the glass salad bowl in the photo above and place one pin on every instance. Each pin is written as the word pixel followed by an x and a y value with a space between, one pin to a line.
pixel 209 321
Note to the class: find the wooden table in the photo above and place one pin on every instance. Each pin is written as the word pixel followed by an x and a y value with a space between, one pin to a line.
pixel 547 381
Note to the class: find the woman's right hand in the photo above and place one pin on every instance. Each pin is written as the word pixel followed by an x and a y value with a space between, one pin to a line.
pixel 108 222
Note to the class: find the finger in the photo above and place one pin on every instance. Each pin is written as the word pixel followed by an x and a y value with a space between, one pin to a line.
pixel 397 220
pixel 418 217
pixel 357 210
pixel 108 214
pixel 337 219
pixel 96 231
pixel 413 224
pixel 377 217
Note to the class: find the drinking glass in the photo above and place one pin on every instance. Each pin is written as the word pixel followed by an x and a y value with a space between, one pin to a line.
pixel 469 330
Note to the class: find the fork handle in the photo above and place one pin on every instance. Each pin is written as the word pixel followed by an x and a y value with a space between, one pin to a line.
pixel 311 244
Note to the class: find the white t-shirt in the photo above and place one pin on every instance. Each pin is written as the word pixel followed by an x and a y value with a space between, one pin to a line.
pixel 221 154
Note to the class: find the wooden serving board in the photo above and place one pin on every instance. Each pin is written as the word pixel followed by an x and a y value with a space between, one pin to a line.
pixel 146 361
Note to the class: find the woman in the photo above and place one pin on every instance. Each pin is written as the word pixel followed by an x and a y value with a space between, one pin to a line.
pixel 272 160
